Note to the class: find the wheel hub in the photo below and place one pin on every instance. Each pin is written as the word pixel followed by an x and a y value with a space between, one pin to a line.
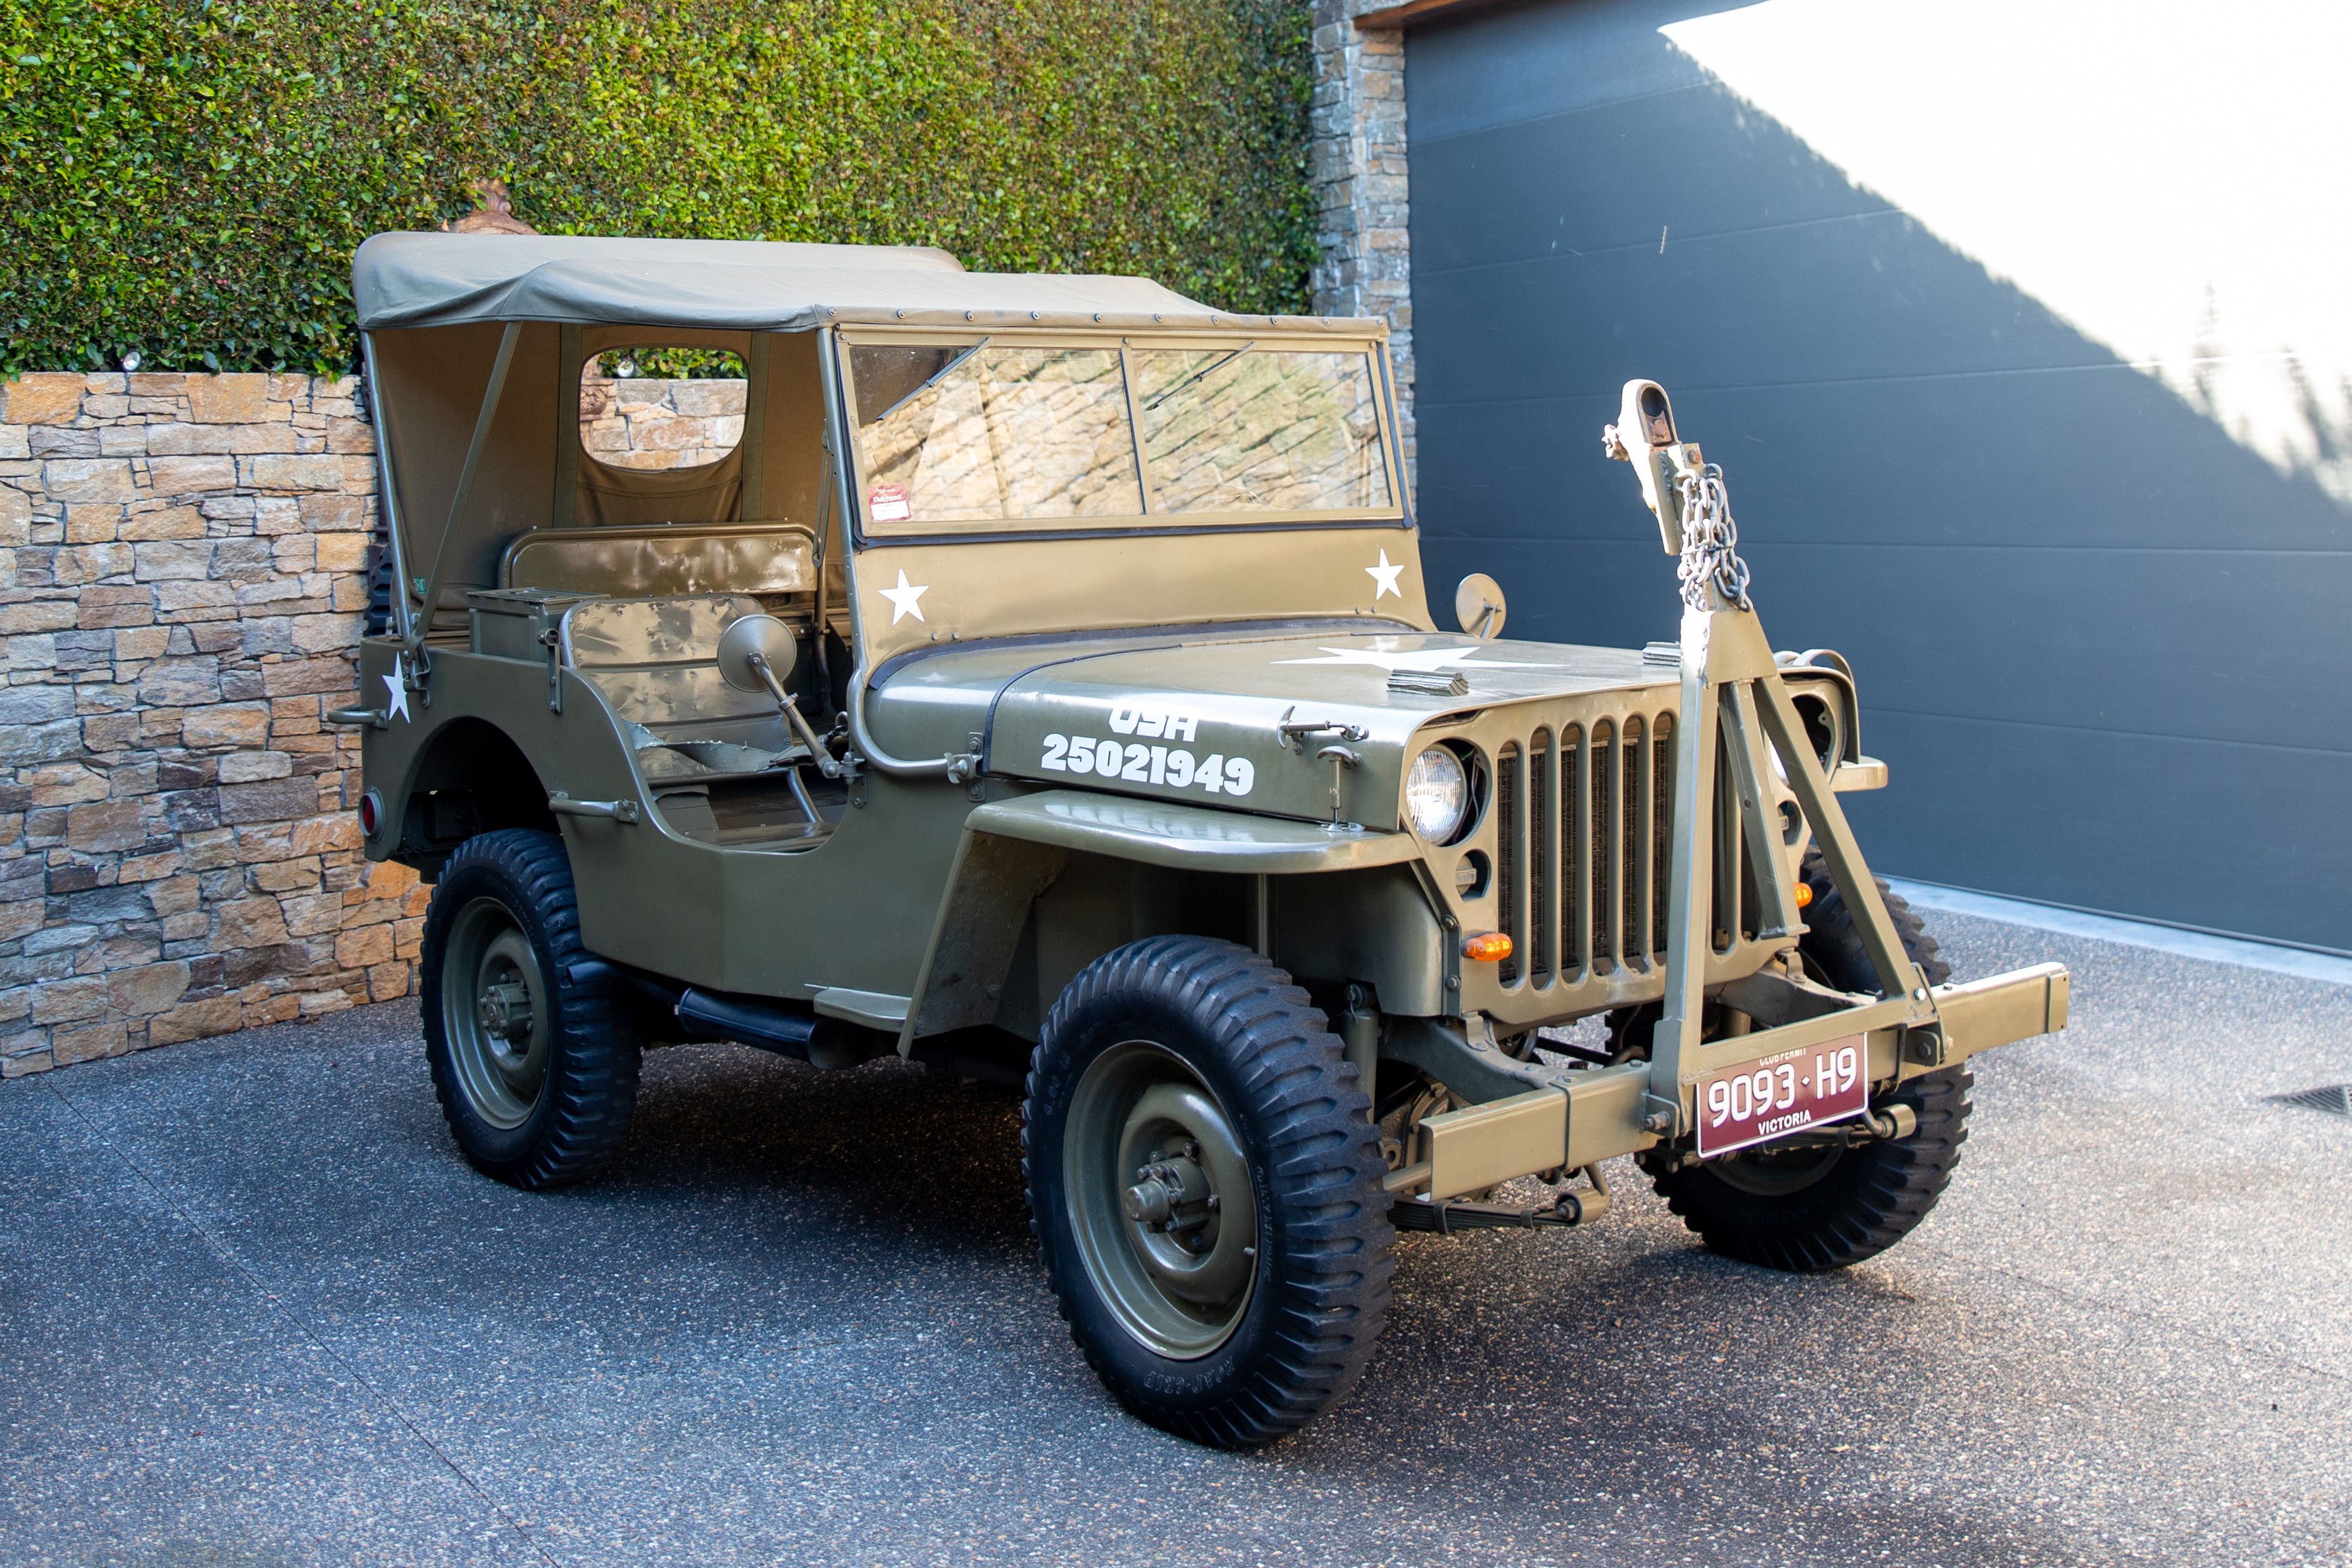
pixel 505 1009
pixel 1175 1209
pixel 1162 1199
pixel 1166 1185
pixel 495 1014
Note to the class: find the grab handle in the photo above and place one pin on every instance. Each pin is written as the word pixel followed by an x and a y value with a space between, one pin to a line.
pixel 562 805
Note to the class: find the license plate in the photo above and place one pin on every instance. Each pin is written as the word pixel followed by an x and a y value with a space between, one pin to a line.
pixel 1775 1096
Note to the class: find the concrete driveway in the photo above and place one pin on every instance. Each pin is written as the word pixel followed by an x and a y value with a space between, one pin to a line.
pixel 254 1310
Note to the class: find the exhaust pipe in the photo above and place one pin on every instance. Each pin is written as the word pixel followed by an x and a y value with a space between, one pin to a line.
pixel 783 1027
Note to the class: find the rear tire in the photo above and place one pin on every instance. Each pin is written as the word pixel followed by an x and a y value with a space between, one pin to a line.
pixel 536 1072
pixel 1245 1295
pixel 1810 1210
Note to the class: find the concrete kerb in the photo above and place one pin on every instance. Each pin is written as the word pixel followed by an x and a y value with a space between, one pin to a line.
pixel 2242 952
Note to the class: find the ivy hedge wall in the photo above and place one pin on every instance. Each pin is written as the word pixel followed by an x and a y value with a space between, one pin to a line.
pixel 186 180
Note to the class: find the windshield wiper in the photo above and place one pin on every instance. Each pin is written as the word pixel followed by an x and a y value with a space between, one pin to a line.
pixel 935 376
pixel 1205 369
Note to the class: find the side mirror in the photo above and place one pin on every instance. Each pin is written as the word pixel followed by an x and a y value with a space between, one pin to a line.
pixel 1478 605
pixel 757 654
pixel 766 639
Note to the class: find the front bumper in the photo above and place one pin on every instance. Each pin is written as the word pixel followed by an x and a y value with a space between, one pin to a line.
pixel 1581 1118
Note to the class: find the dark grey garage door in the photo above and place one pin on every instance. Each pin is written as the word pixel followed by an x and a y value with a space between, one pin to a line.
pixel 2106 649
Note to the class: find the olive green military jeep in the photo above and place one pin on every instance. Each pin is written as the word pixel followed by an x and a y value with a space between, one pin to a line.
pixel 1033 675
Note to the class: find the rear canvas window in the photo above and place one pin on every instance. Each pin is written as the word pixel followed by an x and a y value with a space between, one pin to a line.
pixel 656 407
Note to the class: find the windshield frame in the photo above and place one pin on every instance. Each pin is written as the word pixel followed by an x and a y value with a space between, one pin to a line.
pixel 866 533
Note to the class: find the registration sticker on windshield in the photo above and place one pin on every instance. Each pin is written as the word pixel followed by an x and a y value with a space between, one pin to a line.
pixel 887 503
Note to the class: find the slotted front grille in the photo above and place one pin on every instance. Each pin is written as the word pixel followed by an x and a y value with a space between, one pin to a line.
pixel 1584 819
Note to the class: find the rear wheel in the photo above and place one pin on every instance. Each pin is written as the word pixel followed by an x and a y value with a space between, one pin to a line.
pixel 1206 1189
pixel 537 1073
pixel 1814 1205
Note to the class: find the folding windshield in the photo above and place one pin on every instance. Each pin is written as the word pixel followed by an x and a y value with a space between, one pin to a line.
pixel 1260 430
pixel 989 434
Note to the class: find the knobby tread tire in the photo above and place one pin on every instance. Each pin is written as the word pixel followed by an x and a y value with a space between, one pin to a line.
pixel 584 1115
pixel 1320 1295
pixel 1877 1192
pixel 1832 943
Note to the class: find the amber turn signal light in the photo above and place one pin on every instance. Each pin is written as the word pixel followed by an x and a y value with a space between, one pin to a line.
pixel 1804 894
pixel 1487 947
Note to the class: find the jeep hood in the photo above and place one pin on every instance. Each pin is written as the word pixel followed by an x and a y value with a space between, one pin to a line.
pixel 1195 713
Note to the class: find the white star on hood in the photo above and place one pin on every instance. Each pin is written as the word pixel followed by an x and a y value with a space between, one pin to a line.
pixel 399 705
pixel 903 599
pixel 1426 661
pixel 1385 578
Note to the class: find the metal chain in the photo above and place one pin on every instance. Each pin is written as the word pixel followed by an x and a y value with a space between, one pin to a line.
pixel 1710 540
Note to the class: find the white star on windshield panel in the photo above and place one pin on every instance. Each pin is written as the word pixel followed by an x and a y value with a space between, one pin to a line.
pixel 903 599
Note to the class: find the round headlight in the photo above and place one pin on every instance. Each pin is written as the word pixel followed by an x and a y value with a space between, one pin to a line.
pixel 1437 794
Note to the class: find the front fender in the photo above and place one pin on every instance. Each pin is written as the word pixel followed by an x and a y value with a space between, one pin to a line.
pixel 1011 850
pixel 1187 837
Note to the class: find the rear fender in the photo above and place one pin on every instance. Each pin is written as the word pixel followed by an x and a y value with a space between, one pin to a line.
pixel 443 770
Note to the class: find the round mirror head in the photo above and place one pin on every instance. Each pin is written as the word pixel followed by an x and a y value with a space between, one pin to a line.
pixel 757 635
pixel 1478 605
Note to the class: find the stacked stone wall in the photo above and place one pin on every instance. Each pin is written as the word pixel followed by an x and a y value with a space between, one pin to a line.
pixel 181 591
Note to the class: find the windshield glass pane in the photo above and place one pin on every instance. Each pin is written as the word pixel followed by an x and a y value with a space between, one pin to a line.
pixel 1268 430
pixel 966 435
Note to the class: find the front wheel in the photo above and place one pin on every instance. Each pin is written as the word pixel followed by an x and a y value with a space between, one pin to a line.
pixel 1206 1189
pixel 537 1072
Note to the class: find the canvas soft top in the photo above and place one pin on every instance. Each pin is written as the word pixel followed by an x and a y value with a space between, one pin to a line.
pixel 475 345
pixel 454 279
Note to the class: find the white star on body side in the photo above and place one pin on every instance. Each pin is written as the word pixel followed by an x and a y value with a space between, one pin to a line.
pixel 903 599
pixel 399 705
pixel 1425 660
pixel 1384 578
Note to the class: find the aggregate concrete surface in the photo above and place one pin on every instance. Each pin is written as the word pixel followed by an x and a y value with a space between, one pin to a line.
pixel 254 1310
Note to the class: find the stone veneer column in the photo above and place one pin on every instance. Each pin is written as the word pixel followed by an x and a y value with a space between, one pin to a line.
pixel 1361 187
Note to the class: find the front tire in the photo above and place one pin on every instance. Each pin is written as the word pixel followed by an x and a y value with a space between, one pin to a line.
pixel 1205 1186
pixel 536 1072
pixel 1811 1209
